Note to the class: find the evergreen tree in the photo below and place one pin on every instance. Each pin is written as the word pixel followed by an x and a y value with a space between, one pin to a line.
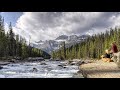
pixel 15 46
pixel 92 47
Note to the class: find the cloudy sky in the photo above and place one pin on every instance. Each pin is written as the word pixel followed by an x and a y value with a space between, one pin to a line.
pixel 49 25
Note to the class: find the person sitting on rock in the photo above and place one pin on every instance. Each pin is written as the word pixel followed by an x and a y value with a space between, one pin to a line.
pixel 106 56
pixel 113 48
pixel 114 52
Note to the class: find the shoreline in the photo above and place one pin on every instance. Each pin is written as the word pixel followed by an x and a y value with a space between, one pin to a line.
pixel 80 74
pixel 59 65
pixel 100 69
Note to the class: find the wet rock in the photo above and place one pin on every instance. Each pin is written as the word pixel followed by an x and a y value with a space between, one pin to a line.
pixel 80 63
pixel 78 75
pixel 49 69
pixel 5 68
pixel 87 61
pixel 40 59
pixel 13 65
pixel 43 64
pixel 62 65
pixel 70 61
pixel 21 63
pixel 51 59
pixel 13 61
pixel 28 65
pixel 73 63
pixel 36 59
pixel 17 58
pixel 76 62
pixel 1 67
pixel 4 63
pixel 57 60
pixel 34 70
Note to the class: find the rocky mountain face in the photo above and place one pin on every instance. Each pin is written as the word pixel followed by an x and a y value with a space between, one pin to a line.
pixel 50 45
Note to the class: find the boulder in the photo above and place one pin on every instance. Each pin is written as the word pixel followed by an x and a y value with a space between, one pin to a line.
pixel 70 61
pixel 80 63
pixel 1 67
pixel 36 59
pixel 73 63
pixel 13 61
pixel 43 64
pixel 57 60
pixel 34 70
pixel 78 75
pixel 62 65
pixel 51 59
pixel 18 58
pixel 40 58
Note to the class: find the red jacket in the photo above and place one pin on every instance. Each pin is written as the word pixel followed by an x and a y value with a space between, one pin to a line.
pixel 114 48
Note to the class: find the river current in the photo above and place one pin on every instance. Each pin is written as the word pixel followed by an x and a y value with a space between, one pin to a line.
pixel 45 69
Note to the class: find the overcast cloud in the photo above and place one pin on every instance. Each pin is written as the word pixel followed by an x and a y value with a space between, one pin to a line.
pixel 49 25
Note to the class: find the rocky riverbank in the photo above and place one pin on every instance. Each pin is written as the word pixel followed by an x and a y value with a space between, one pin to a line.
pixel 61 64
pixel 100 69
pixel 81 73
pixel 42 69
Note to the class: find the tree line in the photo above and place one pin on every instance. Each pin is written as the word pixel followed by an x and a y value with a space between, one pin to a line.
pixel 91 48
pixel 12 45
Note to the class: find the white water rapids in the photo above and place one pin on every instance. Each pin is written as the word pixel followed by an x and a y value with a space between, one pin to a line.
pixel 50 70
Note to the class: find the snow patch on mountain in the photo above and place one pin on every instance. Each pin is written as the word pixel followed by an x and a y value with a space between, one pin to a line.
pixel 50 45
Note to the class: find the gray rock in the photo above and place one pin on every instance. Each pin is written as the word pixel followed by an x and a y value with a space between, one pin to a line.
pixel 62 65
pixel 73 63
pixel 80 63
pixel 57 60
pixel 34 70
pixel 70 61
pixel 13 61
pixel 78 75
pixel 43 64
pixel 1 67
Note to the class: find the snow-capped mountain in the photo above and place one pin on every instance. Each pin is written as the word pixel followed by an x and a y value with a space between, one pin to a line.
pixel 62 37
pixel 50 45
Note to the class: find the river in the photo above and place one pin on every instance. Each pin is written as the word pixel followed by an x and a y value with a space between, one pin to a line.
pixel 45 69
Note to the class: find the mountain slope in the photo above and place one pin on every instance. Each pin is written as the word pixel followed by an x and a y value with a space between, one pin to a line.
pixel 50 45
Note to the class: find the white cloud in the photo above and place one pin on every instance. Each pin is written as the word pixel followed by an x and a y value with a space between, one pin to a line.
pixel 49 25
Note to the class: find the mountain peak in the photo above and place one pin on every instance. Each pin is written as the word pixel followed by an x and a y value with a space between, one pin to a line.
pixel 62 37
pixel 50 45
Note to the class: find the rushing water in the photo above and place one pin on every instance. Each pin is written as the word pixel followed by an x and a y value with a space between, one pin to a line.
pixel 49 69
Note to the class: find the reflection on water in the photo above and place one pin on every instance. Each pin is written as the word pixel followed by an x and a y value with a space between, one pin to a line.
pixel 50 69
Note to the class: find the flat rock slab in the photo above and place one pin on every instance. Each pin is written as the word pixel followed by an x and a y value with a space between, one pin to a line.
pixel 4 63
pixel 78 75
pixel 100 69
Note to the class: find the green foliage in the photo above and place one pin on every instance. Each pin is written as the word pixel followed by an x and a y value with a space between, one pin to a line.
pixel 12 45
pixel 92 47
